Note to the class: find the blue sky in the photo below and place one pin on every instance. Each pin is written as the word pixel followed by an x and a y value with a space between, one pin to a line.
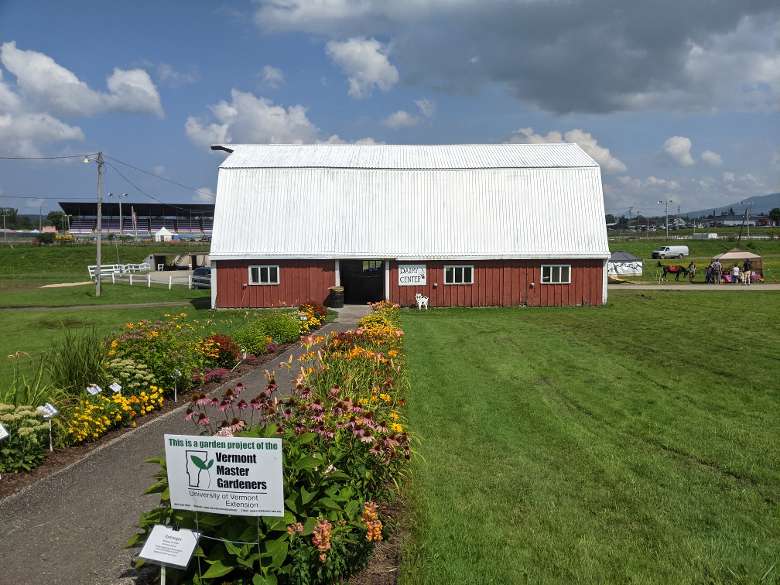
pixel 671 105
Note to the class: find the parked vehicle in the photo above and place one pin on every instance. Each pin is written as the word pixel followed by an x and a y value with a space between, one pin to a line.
pixel 201 277
pixel 670 252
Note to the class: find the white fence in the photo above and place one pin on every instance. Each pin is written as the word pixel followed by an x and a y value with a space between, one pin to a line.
pixel 109 270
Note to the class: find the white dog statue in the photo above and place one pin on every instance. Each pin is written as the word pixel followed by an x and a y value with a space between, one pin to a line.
pixel 422 301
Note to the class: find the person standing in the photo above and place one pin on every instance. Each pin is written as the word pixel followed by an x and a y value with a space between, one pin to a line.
pixel 717 271
pixel 747 271
pixel 735 274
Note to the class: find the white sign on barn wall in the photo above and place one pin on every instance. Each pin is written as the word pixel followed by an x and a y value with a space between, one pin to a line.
pixel 411 274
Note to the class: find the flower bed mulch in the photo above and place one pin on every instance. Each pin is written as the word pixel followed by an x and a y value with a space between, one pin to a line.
pixel 11 483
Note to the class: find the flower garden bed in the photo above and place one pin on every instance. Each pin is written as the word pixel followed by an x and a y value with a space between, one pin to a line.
pixel 345 454
pixel 189 354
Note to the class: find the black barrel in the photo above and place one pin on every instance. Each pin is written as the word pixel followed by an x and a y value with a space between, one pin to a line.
pixel 336 297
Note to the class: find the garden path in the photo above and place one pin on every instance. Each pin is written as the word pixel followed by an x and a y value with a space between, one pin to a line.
pixel 71 527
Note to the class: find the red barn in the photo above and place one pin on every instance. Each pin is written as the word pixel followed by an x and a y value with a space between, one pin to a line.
pixel 466 225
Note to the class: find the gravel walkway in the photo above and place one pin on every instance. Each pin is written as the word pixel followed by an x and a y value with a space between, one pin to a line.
pixel 71 527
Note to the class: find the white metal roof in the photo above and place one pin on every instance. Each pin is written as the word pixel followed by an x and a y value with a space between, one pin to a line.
pixel 409 202
pixel 406 156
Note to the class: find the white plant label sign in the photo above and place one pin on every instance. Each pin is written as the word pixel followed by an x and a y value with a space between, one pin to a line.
pixel 116 387
pixel 94 389
pixel 3 432
pixel 48 411
pixel 411 275
pixel 238 476
pixel 169 547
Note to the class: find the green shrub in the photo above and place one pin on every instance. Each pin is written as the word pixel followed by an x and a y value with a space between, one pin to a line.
pixel 25 447
pixel 252 338
pixel 132 375
pixel 266 328
pixel 77 361
pixel 282 327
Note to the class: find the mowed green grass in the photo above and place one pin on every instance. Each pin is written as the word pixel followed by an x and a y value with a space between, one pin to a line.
pixel 25 268
pixel 635 443
pixel 702 252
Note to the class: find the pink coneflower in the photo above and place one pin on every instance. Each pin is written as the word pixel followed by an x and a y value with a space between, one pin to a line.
pixel 224 432
pixel 287 413
pixel 240 388
pixel 214 402
pixel 189 414
pixel 242 405
pixel 203 400
pixel 334 392
pixel 224 405
pixel 203 419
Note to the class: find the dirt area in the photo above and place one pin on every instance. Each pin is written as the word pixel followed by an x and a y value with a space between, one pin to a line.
pixel 383 566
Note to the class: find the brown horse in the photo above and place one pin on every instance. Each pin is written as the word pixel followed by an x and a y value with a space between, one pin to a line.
pixel 676 269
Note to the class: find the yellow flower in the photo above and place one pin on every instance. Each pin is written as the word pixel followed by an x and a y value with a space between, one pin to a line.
pixel 397 427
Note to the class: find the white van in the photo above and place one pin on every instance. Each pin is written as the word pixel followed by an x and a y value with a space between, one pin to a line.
pixel 670 252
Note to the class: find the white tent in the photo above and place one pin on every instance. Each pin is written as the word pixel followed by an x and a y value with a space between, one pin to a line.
pixel 163 235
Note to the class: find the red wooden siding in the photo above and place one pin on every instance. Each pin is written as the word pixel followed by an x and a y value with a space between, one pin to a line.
pixel 496 283
pixel 505 283
pixel 299 281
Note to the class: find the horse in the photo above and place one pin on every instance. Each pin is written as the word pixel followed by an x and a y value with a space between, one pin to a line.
pixel 691 271
pixel 676 269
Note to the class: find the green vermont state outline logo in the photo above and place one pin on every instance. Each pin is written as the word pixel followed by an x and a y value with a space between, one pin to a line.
pixel 196 465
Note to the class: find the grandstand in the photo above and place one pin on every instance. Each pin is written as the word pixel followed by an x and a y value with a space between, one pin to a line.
pixel 143 219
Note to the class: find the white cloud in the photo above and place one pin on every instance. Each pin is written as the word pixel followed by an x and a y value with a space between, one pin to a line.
pixel 158 170
pixel 272 77
pixel 251 119
pixel 401 119
pixel 585 140
pixel 204 195
pixel 52 87
pixel 336 139
pixel 170 76
pixel 427 107
pixel 678 149
pixel 711 158
pixel 365 63
pixel 22 131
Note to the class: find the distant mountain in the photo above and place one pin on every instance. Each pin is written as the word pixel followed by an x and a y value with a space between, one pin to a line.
pixel 758 204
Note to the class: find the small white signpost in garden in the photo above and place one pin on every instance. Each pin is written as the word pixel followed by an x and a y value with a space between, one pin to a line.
pixel 168 547
pixel 3 432
pixel 411 274
pixel 48 412
pixel 94 389
pixel 116 387
pixel 238 476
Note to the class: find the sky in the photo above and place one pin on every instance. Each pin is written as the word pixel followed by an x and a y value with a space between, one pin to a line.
pixel 676 100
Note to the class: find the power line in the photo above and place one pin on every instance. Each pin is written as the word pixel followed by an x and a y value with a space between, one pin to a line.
pixel 42 157
pixel 137 188
pixel 155 175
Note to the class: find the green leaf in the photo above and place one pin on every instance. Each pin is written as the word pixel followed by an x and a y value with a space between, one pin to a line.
pixel 352 508
pixel 218 569
pixel 307 496
pixel 307 462
pixel 328 503
pixel 210 464
pixel 278 550
pixel 306 438
pixel 308 526
pixel 199 463
pixel 264 580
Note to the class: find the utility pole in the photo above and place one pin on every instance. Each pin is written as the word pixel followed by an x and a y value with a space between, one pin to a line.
pixel 100 163
pixel 5 232
pixel 40 218
pixel 666 202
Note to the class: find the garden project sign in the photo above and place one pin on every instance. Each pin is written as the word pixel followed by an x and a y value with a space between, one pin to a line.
pixel 239 476
pixel 411 274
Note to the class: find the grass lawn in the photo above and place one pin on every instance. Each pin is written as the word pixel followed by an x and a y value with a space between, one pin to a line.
pixel 634 443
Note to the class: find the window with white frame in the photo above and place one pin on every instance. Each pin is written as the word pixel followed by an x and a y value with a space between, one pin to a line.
pixel 459 274
pixel 264 274
pixel 556 274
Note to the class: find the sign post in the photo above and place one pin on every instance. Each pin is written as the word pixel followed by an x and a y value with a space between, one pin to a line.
pixel 48 412
pixel 169 547
pixel 237 476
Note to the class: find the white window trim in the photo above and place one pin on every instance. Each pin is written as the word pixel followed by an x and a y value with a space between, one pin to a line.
pixel 259 266
pixel 555 266
pixel 444 274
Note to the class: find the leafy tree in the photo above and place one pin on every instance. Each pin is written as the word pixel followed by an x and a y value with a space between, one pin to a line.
pixel 774 215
